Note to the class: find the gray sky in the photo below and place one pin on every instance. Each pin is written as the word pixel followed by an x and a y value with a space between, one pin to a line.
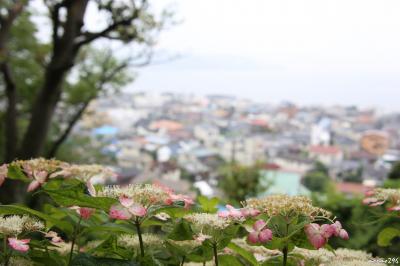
pixel 307 51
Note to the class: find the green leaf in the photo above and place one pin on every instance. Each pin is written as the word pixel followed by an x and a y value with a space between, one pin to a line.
pixel 248 256
pixel 112 228
pixel 181 231
pixel 86 260
pixel 72 193
pixel 50 221
pixel 14 172
pixel 228 260
pixel 386 236
pixel 200 254
pixel 208 205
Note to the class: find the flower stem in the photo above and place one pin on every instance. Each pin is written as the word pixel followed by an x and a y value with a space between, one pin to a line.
pixel 71 253
pixel 183 260
pixel 139 232
pixel 285 255
pixel 286 248
pixel 215 254
pixel 7 255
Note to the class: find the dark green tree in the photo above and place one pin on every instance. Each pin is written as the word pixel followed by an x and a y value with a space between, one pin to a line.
pixel 45 86
pixel 395 172
pixel 317 179
pixel 240 182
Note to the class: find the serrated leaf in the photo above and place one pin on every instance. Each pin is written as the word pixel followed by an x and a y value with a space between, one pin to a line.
pixel 208 205
pixel 181 231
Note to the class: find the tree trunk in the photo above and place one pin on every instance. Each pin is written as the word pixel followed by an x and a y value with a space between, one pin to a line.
pixel 62 60
pixel 42 114
pixel 64 53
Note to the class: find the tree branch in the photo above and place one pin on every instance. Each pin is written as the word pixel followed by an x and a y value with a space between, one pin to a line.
pixel 63 137
pixel 76 117
pixel 88 37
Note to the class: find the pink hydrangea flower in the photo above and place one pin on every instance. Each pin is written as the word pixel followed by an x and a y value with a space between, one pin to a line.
pixel 373 201
pixel 259 234
pixel 119 212
pixel 3 173
pixel 316 235
pixel 249 212
pixel 19 244
pixel 172 197
pixel 339 231
pixel 369 193
pixel 394 208
pixel 230 212
pixel 85 213
pixel 188 201
pixel 125 201
pixel 201 237
pixel 40 178
pixel 138 210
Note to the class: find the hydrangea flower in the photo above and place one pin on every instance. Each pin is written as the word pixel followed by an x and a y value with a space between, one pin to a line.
pixel 19 244
pixel 318 235
pixel 381 196
pixel 259 233
pixel 135 200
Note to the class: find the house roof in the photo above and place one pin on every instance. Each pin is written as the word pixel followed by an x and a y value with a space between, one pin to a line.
pixel 351 188
pixel 326 150
pixel 166 124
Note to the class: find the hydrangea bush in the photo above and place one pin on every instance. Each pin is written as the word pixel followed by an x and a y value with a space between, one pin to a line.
pixel 390 199
pixel 149 224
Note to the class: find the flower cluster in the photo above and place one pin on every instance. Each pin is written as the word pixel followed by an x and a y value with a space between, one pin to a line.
pixel 135 200
pixel 131 241
pixel 341 257
pixel 318 235
pixel 234 213
pixel 381 196
pixel 12 226
pixel 204 221
pixel 85 172
pixel 286 205
pixel 259 233
pixel 208 225
pixel 41 170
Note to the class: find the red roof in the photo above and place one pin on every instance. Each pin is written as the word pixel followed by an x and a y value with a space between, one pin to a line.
pixel 259 122
pixel 329 150
pixel 351 188
pixel 271 166
pixel 166 124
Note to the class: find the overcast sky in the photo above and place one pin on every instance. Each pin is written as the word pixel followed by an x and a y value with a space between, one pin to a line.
pixel 307 51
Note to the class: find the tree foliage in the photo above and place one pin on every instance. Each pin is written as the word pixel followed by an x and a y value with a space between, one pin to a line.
pixel 317 179
pixel 46 86
pixel 395 172
pixel 239 182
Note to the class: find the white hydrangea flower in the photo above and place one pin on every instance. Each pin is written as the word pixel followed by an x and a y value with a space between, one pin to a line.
pixel 14 225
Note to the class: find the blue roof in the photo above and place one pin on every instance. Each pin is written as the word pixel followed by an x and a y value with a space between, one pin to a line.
pixel 105 130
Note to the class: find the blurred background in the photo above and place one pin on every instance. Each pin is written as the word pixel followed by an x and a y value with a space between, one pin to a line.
pixel 228 99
